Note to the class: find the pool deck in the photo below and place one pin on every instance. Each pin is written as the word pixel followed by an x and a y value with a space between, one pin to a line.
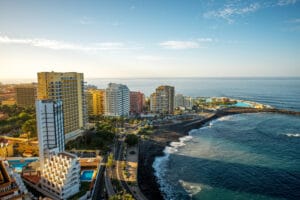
pixel 90 162
pixel 21 158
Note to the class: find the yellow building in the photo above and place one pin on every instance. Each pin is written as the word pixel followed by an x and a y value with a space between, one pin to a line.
pixel 95 101
pixel 8 102
pixel 6 148
pixel 25 94
pixel 68 87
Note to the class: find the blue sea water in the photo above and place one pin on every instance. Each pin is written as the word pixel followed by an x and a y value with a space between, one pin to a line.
pixel 278 92
pixel 246 156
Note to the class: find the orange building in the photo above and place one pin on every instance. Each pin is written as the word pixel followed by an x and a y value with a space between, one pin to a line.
pixel 137 100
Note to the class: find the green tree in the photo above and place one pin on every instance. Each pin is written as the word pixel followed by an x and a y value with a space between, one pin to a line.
pixel 122 196
pixel 30 127
pixel 110 160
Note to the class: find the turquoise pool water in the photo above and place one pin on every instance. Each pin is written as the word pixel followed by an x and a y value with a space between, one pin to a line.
pixel 17 165
pixel 242 104
pixel 87 175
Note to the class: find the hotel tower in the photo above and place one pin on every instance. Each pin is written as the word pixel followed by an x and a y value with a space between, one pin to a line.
pixel 50 127
pixel 60 170
pixel 69 88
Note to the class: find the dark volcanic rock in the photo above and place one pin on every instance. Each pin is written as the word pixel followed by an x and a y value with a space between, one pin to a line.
pixel 149 149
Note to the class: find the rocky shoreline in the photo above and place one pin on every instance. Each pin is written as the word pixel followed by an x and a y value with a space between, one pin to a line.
pixel 151 148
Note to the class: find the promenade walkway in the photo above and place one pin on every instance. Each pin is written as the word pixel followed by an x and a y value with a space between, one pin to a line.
pixel 132 169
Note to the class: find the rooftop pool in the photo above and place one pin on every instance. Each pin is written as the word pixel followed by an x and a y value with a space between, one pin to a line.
pixel 17 165
pixel 87 175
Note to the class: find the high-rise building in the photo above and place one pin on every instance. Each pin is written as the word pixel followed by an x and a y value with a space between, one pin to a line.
pixel 162 100
pixel 117 100
pixel 69 88
pixel 26 94
pixel 59 177
pixel 50 127
pixel 137 100
pixel 179 100
pixel 188 102
pixel 95 101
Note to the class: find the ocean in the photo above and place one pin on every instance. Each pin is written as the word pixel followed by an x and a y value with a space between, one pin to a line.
pixel 277 92
pixel 245 156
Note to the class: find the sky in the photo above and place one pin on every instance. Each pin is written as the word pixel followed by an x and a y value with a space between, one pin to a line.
pixel 150 38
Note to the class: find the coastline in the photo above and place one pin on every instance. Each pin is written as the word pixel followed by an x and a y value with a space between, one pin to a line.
pixel 151 148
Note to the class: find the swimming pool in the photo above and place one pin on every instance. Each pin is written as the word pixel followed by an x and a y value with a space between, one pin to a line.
pixel 242 104
pixel 17 165
pixel 87 175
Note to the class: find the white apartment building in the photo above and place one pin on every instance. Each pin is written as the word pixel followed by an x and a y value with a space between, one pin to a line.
pixel 179 100
pixel 60 175
pixel 117 100
pixel 50 127
pixel 60 170
pixel 185 102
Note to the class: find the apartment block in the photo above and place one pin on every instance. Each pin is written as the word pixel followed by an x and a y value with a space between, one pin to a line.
pixel 137 101
pixel 117 100
pixel 162 100
pixel 95 101
pixel 26 94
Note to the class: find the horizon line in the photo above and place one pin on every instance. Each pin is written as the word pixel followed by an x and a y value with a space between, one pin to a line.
pixel 34 80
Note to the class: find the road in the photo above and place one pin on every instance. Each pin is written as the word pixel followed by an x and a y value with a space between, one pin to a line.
pixel 118 171
pixel 99 184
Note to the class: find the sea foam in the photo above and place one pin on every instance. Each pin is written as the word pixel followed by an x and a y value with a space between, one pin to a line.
pixel 293 134
pixel 160 163
pixel 191 188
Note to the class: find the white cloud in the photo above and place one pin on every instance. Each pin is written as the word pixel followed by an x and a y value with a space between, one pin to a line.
pixel 236 8
pixel 229 11
pixel 177 45
pixel 294 21
pixel 205 40
pixel 286 2
pixel 292 25
pixel 61 45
